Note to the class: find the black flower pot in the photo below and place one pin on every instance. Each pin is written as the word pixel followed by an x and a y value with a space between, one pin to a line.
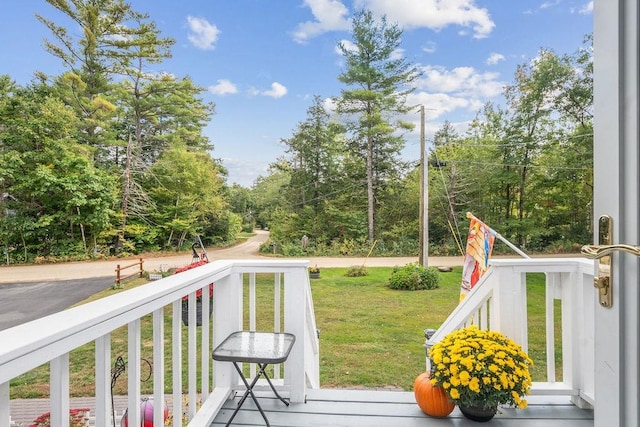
pixel 185 311
pixel 477 413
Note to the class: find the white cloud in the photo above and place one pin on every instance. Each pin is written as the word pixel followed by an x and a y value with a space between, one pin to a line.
pixel 348 45
pixel 329 105
pixel 243 171
pixel 223 87
pixel 433 14
pixel 587 9
pixel 397 54
pixel 202 34
pixel 330 15
pixel 443 91
pixel 438 104
pixel 429 47
pixel 277 91
pixel 549 4
pixel 464 81
pixel 494 58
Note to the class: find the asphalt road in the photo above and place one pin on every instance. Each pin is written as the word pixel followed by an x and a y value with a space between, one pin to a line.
pixel 23 302
pixel 28 292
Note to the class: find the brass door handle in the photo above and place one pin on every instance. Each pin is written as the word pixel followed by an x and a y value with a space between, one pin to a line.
pixel 598 251
pixel 603 252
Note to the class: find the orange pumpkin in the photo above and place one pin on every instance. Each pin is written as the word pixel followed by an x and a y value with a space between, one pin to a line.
pixel 433 400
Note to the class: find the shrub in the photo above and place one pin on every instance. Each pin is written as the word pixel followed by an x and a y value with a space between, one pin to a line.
pixel 77 418
pixel 413 277
pixel 357 271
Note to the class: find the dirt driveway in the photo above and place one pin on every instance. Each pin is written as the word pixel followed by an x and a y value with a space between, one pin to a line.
pixel 246 250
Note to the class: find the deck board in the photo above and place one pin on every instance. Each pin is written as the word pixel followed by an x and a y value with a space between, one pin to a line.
pixel 366 408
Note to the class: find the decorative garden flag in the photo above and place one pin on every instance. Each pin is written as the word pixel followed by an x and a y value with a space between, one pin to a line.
pixel 476 260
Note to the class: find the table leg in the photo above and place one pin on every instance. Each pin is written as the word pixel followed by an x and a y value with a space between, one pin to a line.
pixel 262 372
pixel 248 392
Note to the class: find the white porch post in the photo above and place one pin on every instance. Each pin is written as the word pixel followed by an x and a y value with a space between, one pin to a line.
pixel 227 315
pixel 103 380
pixel 616 164
pixel 5 418
pixel 295 287
pixel 59 374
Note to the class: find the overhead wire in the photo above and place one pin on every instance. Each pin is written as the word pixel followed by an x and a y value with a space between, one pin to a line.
pixel 456 233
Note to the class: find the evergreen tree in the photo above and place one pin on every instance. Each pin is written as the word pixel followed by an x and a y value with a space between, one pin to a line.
pixel 316 150
pixel 377 82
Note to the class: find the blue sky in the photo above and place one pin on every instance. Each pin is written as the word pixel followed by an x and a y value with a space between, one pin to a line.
pixel 262 61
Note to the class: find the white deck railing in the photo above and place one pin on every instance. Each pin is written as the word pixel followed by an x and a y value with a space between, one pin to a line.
pixel 51 340
pixel 499 302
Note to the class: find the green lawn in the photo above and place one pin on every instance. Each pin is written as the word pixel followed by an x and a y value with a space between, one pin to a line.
pixel 371 336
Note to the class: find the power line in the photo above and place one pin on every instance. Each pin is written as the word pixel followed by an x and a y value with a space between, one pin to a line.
pixel 516 165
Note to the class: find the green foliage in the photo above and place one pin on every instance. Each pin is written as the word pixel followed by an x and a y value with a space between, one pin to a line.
pixel 107 158
pixel 357 271
pixel 414 277
pixel 269 197
pixel 57 200
pixel 241 203
pixel 374 98
pixel 505 170
pixel 186 189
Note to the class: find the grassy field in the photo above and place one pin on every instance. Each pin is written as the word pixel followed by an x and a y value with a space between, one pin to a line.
pixel 370 336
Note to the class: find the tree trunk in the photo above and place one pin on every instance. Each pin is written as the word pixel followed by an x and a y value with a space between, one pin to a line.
pixel 126 194
pixel 84 238
pixel 370 190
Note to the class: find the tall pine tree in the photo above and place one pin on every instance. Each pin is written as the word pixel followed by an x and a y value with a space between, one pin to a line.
pixel 377 81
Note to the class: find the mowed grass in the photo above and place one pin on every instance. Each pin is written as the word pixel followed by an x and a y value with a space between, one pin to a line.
pixel 370 336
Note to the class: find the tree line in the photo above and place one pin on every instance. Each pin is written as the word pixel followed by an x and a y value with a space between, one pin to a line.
pixel 108 157
pixel 524 168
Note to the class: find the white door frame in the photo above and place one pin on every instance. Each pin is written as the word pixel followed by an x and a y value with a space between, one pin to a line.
pixel 616 193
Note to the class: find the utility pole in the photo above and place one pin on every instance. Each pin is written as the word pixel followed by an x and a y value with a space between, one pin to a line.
pixel 424 197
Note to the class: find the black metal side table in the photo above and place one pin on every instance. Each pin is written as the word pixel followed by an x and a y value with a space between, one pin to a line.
pixel 261 348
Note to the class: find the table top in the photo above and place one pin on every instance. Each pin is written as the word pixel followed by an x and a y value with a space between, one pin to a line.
pixel 255 347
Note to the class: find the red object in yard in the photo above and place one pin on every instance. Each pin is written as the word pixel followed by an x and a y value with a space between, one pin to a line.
pixel 189 267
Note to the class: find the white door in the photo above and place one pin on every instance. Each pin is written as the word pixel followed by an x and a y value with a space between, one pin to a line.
pixel 616 165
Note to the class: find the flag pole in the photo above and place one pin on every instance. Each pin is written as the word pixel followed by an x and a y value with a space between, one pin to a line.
pixel 424 197
pixel 502 239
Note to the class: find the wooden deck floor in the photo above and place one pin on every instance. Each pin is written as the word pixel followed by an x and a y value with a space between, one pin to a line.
pixel 364 408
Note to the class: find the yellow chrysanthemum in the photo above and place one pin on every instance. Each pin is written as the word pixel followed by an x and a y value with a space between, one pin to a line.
pixel 454 393
pixel 467 362
pixel 465 377
pixel 504 380
pixel 470 361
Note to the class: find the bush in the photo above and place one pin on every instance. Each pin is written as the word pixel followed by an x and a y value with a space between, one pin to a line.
pixel 413 277
pixel 357 271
